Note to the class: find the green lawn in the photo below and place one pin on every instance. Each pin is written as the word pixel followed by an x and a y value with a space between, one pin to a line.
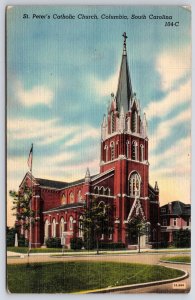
pixel 50 250
pixel 67 277
pixel 55 250
pixel 181 259
pixel 36 250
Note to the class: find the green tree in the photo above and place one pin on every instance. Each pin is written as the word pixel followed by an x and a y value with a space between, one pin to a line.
pixel 10 237
pixel 96 221
pixel 22 208
pixel 137 227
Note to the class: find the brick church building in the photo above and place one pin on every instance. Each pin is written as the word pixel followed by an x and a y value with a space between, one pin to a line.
pixel 123 180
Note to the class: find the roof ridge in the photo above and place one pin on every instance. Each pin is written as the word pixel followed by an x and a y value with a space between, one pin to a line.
pixel 38 178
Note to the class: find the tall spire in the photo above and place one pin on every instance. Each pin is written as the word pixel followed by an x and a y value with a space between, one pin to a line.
pixel 124 90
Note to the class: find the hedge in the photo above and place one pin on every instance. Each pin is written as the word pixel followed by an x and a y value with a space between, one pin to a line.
pixel 10 240
pixel 111 245
pixel 53 243
pixel 76 243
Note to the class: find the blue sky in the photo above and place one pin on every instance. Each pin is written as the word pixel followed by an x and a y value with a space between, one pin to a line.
pixel 60 74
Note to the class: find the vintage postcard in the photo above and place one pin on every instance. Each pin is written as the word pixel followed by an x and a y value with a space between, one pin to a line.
pixel 98 149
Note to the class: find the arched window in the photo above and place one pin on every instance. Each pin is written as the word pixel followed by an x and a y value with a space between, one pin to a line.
pixel 141 153
pixel 112 122
pixel 80 227
pixel 134 150
pixel 103 206
pixel 134 121
pixel 117 149
pixel 71 223
pixel 127 149
pixel 112 151
pixel 61 226
pixel 71 197
pixel 101 191
pixel 46 229
pixel 134 185
pixel 106 153
pixel 96 190
pixel 53 229
pixel 63 199
pixel 79 195
pixel 107 191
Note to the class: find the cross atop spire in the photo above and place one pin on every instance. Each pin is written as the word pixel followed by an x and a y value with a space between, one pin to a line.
pixel 124 43
pixel 124 90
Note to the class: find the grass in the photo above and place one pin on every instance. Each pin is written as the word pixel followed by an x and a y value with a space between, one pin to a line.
pixel 54 250
pixel 59 250
pixel 68 277
pixel 181 259
pixel 172 250
pixel 36 250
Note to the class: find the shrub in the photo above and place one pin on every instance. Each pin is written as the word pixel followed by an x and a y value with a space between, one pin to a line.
pixel 182 238
pixel 53 243
pixel 76 243
pixel 111 245
pixel 164 244
pixel 10 238
pixel 22 242
pixel 89 244
pixel 10 241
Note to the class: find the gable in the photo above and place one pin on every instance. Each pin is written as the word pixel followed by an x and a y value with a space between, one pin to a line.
pixel 28 179
pixel 136 209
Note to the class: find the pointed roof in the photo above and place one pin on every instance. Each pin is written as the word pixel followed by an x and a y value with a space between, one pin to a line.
pixel 156 186
pixel 87 175
pixel 104 121
pixel 124 90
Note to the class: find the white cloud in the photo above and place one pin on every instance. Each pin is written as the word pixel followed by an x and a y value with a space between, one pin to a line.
pixel 57 159
pixel 46 132
pixel 165 128
pixel 37 95
pixel 173 100
pixel 49 132
pixel 175 160
pixel 43 131
pixel 172 167
pixel 87 132
pixel 173 65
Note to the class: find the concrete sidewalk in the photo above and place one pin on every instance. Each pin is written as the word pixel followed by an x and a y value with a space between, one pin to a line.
pixel 103 252
pixel 14 254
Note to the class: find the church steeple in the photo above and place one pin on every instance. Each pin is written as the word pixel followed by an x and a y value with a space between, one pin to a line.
pixel 124 90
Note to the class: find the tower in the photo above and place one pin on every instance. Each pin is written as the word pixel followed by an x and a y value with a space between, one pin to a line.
pixel 124 148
